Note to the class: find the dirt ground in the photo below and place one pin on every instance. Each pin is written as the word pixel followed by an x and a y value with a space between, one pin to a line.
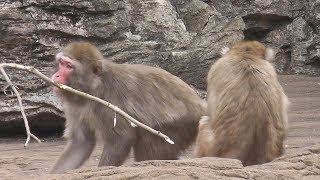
pixel 36 159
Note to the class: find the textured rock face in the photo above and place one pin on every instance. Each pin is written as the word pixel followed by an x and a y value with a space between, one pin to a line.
pixel 181 36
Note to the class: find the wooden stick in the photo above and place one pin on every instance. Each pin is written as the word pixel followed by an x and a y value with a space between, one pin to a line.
pixel 21 108
pixel 88 96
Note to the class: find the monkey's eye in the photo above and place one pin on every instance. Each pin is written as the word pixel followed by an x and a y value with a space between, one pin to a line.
pixel 69 66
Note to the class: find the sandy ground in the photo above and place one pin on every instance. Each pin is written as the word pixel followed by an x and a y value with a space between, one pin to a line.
pixel 36 159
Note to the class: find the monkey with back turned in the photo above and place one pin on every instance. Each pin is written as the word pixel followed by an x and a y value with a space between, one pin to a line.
pixel 247 107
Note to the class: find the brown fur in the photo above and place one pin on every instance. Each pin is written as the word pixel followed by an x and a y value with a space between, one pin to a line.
pixel 247 107
pixel 83 52
pixel 151 95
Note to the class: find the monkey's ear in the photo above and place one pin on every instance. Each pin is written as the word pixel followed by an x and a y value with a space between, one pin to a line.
pixel 269 54
pixel 224 50
pixel 97 69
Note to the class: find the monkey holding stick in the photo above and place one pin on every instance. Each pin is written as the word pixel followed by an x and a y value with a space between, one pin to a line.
pixel 151 95
pixel 247 107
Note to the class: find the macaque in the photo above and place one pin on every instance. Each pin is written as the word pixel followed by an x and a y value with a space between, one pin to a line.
pixel 151 95
pixel 247 107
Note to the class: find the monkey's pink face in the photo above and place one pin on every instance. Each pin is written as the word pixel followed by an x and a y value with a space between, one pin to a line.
pixel 66 68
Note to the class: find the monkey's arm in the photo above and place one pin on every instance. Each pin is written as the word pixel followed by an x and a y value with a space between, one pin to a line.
pixel 76 152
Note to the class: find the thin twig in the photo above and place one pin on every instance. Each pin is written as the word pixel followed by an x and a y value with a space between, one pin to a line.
pixel 88 96
pixel 21 108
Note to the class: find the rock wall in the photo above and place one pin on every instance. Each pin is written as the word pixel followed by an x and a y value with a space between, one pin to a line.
pixel 182 36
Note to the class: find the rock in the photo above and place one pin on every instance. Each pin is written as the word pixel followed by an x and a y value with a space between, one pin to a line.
pixel 183 37
pixel 302 37
pixel 304 164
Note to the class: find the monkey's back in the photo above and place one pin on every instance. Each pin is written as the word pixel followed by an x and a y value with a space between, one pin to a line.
pixel 149 86
pixel 246 104
pixel 160 100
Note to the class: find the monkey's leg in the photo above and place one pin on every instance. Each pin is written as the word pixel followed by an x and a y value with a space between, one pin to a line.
pixel 151 147
pixel 205 137
pixel 115 152
pixel 234 147
pixel 76 152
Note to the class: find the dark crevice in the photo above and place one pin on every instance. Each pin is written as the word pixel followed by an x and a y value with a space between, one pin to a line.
pixel 271 19
pixel 255 34
pixel 259 25
pixel 206 23
pixel 315 62
pixel 41 124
